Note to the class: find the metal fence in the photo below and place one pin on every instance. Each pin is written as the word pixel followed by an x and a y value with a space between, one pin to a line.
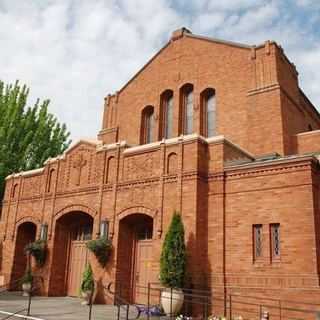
pixel 198 304
pixel 203 304
pixel 36 285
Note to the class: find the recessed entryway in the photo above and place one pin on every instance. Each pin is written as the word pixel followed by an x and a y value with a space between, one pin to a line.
pixel 70 254
pixel 134 260
pixel 26 233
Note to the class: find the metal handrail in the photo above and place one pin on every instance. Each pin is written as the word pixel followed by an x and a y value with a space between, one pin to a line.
pixel 232 302
pixel 125 303
pixel 33 289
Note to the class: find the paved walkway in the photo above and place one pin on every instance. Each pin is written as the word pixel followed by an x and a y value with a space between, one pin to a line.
pixel 60 308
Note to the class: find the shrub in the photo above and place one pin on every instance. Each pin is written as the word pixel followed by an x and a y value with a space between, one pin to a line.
pixel 101 248
pixel 27 277
pixel 173 256
pixel 37 249
pixel 87 283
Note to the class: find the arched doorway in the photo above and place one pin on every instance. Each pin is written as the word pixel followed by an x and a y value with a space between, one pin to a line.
pixel 26 233
pixel 70 254
pixel 134 260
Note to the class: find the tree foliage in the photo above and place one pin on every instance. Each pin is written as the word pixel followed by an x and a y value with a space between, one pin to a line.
pixel 87 283
pixel 173 255
pixel 28 135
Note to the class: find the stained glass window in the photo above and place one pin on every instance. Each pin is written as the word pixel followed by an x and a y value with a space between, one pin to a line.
pixel 275 239
pixel 257 239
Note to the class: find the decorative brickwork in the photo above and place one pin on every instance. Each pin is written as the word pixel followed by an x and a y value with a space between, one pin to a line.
pixel 259 169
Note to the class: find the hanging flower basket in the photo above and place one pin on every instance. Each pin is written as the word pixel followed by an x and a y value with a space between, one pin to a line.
pixel 37 249
pixel 101 248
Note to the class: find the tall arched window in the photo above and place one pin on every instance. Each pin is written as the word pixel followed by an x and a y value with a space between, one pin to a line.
pixel 172 163
pixel 50 180
pixel 111 170
pixel 14 192
pixel 166 120
pixel 208 112
pixel 147 124
pixel 186 95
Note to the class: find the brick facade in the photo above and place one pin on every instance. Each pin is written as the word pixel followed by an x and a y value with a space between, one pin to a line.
pixel 222 185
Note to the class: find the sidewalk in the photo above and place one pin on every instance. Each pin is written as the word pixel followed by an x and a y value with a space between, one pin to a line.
pixel 56 308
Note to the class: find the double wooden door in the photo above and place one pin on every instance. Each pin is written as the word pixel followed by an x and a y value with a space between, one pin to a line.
pixel 143 270
pixel 77 264
pixel 78 257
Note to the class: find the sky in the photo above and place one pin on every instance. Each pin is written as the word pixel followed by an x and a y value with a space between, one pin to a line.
pixel 75 52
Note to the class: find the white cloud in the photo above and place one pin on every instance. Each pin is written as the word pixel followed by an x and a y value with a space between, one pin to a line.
pixel 233 5
pixel 76 52
pixel 307 3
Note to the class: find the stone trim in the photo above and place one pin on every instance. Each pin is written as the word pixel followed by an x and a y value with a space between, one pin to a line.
pixel 26 173
pixel 294 161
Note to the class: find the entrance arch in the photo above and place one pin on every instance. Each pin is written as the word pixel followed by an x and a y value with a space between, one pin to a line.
pixel 70 256
pixel 26 233
pixel 134 258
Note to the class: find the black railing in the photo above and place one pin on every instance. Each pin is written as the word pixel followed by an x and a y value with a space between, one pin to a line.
pixel 201 304
pixel 6 288
pixel 122 304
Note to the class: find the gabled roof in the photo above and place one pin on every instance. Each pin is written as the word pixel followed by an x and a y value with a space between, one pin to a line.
pixel 183 32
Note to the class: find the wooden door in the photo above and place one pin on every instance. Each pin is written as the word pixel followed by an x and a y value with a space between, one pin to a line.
pixel 77 264
pixel 143 270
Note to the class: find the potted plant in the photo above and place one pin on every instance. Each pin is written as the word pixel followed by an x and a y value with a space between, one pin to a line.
pixel 101 248
pixel 26 282
pixel 173 266
pixel 87 285
pixel 37 249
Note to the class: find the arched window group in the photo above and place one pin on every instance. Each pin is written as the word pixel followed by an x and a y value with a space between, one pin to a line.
pixel 186 114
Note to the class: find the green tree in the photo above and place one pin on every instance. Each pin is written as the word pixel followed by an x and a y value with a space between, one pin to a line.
pixel 173 255
pixel 28 135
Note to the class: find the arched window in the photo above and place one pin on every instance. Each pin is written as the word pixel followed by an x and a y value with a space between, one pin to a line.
pixel 14 192
pixel 147 124
pixel 172 163
pixel 111 170
pixel 186 113
pixel 208 113
pixel 50 179
pixel 166 115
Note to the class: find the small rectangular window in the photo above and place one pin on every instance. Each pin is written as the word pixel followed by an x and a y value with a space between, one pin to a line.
pixel 275 240
pixel 257 241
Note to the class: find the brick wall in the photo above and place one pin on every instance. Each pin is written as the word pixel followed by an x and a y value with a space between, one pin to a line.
pixel 216 184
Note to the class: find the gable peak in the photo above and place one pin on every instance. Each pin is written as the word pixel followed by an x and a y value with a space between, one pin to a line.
pixel 179 33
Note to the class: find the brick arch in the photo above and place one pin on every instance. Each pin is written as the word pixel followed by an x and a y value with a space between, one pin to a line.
pixel 27 219
pixel 25 232
pixel 152 213
pixel 77 207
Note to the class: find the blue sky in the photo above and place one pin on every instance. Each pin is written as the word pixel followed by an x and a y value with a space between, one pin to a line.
pixel 75 52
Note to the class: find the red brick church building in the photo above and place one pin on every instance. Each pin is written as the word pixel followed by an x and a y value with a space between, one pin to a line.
pixel 217 130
